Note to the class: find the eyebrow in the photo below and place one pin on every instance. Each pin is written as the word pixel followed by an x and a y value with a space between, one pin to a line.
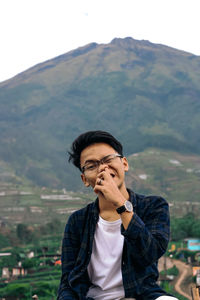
pixel 94 160
pixel 91 160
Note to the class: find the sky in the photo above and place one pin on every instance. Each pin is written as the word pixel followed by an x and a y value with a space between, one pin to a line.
pixel 33 31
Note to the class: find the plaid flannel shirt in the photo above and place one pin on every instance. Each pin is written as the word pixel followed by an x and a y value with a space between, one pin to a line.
pixel 145 241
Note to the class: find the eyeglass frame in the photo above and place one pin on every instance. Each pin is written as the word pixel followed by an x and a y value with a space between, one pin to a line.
pixel 101 161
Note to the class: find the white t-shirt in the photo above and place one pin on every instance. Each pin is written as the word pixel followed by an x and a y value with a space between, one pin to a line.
pixel 104 268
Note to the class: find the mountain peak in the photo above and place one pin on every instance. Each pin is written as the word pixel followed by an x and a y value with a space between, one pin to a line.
pixel 122 40
pixel 127 42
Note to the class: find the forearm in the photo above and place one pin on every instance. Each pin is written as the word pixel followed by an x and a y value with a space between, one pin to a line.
pixel 126 218
pixel 147 242
pixel 65 293
pixel 68 258
pixel 74 283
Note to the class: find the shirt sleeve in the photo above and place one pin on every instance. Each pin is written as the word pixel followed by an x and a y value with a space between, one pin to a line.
pixel 147 236
pixel 70 249
pixel 68 257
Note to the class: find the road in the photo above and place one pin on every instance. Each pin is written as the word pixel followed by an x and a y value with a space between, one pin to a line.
pixel 184 271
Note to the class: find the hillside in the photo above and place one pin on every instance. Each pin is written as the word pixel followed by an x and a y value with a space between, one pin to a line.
pixel 147 95
pixel 170 174
pixel 167 173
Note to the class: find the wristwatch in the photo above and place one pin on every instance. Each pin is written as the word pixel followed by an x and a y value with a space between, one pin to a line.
pixel 126 207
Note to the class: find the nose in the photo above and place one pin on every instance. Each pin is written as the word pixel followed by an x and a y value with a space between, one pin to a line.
pixel 102 166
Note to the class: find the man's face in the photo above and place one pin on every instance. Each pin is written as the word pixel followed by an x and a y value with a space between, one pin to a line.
pixel 117 167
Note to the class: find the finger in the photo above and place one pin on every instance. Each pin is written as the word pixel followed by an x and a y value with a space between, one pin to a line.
pixel 100 174
pixel 99 181
pixel 103 172
pixel 104 175
pixel 98 189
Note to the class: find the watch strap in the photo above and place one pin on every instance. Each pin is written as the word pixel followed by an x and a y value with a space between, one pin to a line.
pixel 121 209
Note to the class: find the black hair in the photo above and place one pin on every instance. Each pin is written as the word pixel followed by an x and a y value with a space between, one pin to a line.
pixel 92 137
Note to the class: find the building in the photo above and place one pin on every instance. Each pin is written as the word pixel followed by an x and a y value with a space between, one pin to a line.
pixel 193 244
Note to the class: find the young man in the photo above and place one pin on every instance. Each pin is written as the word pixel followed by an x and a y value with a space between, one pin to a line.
pixel 111 247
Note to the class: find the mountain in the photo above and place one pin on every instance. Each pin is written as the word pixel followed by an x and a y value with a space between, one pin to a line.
pixel 147 95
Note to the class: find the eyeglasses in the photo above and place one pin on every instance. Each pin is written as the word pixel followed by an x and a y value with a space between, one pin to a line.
pixel 93 165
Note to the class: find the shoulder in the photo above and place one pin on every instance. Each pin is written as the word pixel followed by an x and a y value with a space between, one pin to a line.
pixel 151 204
pixel 81 216
pixel 150 200
pixel 140 199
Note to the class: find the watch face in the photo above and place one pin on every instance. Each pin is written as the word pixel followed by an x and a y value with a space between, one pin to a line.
pixel 129 206
pixel 126 207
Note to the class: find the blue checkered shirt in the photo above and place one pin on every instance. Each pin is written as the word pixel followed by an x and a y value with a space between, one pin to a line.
pixel 145 241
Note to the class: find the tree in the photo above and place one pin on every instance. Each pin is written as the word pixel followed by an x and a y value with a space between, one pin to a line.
pixel 187 226
pixel 24 233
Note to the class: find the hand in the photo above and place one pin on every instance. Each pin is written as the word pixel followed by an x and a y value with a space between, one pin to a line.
pixel 106 186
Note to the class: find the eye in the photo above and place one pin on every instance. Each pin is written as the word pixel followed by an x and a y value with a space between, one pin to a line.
pixel 108 160
pixel 90 167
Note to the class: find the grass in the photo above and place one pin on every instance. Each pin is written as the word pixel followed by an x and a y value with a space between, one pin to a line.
pixel 17 208
pixel 170 174
pixel 169 289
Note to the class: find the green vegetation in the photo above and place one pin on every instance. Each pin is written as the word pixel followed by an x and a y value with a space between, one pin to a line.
pixel 167 173
pixel 154 171
pixel 168 288
pixel 4 241
pixel 147 95
pixel 26 234
pixel 185 227
pixel 44 284
pixel 33 206
pixel 172 271
pixel 43 275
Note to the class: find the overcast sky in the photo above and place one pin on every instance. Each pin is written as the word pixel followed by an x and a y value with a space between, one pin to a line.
pixel 33 31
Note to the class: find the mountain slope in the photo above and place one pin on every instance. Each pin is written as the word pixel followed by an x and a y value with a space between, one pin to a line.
pixel 147 95
pixel 173 175
pixel 169 174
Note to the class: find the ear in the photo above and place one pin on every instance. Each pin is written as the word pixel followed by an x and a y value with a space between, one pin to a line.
pixel 125 164
pixel 84 179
